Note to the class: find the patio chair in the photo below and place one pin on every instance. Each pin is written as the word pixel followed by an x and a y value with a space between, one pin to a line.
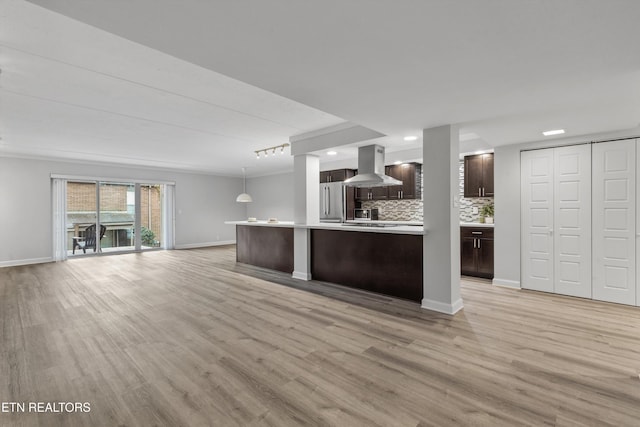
pixel 89 238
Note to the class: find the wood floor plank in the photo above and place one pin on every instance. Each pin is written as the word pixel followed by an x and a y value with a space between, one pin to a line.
pixel 192 338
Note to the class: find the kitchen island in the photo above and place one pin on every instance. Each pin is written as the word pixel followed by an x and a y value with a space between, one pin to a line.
pixel 383 258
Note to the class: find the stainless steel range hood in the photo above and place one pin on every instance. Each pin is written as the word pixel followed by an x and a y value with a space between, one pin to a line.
pixel 371 169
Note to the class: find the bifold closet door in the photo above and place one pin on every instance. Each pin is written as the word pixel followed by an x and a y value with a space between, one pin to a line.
pixel 537 219
pixel 572 220
pixel 556 220
pixel 614 221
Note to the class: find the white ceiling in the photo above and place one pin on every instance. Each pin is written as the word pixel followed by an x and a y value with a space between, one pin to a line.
pixel 504 70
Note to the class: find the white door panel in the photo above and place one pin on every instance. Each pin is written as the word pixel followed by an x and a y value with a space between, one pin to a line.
pixel 614 221
pixel 537 219
pixel 572 219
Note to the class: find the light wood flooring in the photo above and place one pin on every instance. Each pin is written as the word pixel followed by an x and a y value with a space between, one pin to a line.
pixel 190 338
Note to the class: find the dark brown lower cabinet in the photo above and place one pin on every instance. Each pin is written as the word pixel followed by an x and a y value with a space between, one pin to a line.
pixel 268 247
pixel 386 263
pixel 476 252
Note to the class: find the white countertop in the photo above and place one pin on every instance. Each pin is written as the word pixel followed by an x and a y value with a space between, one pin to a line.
pixel 396 229
pixel 476 224
pixel 366 221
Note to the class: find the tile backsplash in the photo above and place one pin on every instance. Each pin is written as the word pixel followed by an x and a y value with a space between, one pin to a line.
pixel 396 210
pixel 412 210
pixel 467 205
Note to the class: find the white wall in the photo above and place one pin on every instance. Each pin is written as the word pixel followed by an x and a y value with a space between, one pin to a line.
pixel 507 216
pixel 507 202
pixel 203 203
pixel 272 197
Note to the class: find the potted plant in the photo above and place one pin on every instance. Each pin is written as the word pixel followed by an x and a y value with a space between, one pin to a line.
pixel 487 213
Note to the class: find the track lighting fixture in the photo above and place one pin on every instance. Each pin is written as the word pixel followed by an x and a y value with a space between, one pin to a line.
pixel 265 151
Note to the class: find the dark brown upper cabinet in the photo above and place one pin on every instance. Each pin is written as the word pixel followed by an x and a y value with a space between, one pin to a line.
pixel 336 175
pixel 371 193
pixel 478 175
pixel 409 174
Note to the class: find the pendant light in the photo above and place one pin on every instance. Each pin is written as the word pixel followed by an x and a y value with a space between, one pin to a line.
pixel 244 197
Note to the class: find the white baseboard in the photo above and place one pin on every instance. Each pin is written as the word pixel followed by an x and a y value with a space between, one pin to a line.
pixel 300 275
pixel 25 262
pixel 514 284
pixel 442 307
pixel 206 244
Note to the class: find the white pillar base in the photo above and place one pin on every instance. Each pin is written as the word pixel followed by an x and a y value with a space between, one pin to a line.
pixel 441 307
pixel 301 254
pixel 301 275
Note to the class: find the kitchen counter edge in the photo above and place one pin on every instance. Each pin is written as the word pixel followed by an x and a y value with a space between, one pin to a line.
pixel 476 224
pixel 399 229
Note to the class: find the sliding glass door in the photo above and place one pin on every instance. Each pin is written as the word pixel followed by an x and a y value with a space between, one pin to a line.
pixel 105 217
pixel 117 216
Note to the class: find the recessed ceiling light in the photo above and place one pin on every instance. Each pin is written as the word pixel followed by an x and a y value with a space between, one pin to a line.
pixel 553 132
pixel 410 138
pixel 332 153
pixel 397 162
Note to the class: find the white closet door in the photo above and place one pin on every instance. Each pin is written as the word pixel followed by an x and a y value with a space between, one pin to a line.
pixel 537 219
pixel 614 221
pixel 572 220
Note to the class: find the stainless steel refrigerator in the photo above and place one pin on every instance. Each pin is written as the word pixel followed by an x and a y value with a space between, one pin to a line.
pixel 332 202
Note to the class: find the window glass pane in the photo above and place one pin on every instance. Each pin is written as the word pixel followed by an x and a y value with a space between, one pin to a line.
pixel 117 207
pixel 81 216
pixel 151 215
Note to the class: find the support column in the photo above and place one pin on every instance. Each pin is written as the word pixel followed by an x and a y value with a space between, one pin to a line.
pixel 306 206
pixel 441 244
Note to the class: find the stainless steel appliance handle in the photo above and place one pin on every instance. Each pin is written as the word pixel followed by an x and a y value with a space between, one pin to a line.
pixel 479 192
pixel 324 202
pixel 479 244
pixel 328 200
pixel 343 214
